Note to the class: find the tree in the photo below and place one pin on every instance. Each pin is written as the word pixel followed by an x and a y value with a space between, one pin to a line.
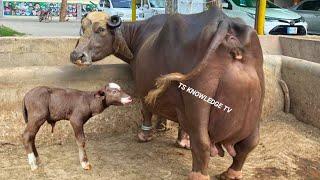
pixel 63 11
pixel 171 6
pixel 211 3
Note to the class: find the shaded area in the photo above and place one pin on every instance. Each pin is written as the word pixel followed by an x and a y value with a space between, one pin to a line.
pixel 288 149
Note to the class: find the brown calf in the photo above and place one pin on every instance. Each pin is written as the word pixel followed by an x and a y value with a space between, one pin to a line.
pixel 53 104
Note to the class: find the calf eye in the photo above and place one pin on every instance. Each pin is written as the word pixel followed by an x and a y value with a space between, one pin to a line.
pixel 114 91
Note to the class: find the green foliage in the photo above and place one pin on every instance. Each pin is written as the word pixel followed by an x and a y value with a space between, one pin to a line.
pixel 5 31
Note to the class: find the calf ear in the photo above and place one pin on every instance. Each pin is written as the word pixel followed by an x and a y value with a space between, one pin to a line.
pixel 120 46
pixel 99 93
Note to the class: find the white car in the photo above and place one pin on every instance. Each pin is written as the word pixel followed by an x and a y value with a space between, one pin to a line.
pixel 278 20
pixel 121 8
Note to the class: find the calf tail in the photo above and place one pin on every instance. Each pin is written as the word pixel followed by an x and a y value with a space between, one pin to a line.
pixel 163 82
pixel 24 111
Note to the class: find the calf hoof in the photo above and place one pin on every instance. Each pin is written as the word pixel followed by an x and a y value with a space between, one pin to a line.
pixel 34 167
pixel 32 161
pixel 145 136
pixel 230 174
pixel 38 160
pixel 183 143
pixel 86 165
pixel 198 176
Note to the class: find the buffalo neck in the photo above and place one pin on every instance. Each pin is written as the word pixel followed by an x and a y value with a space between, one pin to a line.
pixel 131 32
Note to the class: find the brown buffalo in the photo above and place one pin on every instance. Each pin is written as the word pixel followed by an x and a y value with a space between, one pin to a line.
pixel 217 59
pixel 43 104
pixel 100 19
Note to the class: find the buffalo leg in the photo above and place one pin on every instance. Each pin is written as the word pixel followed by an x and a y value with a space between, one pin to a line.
pixel 161 124
pixel 81 142
pixel 200 146
pixel 28 137
pixel 242 148
pixel 146 132
pixel 183 140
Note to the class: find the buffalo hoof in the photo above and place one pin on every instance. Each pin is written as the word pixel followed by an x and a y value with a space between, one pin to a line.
pixel 230 174
pixel 86 165
pixel 183 143
pixel 145 136
pixel 198 176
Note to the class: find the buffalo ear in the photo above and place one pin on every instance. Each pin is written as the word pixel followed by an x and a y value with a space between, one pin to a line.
pixel 99 93
pixel 120 46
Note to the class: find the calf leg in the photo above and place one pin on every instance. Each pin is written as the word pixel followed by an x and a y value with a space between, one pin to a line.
pixel 77 126
pixel 242 148
pixel 28 137
pixel 146 133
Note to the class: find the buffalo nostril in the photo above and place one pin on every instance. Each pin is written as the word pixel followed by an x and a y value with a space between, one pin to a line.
pixel 76 56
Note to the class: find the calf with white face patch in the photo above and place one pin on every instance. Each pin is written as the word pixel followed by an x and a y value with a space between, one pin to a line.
pixel 53 104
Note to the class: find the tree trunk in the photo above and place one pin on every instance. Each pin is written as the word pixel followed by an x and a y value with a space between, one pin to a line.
pixel 217 3
pixel 63 11
pixel 171 6
pixel 211 3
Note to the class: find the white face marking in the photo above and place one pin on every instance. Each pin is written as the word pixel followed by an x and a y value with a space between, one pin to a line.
pixel 114 86
pixel 126 100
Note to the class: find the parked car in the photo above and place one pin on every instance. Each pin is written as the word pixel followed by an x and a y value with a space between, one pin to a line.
pixel 121 8
pixel 278 20
pixel 310 10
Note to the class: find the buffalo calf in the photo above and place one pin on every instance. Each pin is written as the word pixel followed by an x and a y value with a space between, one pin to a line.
pixel 53 104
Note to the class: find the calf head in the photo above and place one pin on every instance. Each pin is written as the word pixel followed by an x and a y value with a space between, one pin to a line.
pixel 114 95
pixel 100 37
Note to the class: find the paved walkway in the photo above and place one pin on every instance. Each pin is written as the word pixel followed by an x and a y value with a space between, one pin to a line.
pixel 32 27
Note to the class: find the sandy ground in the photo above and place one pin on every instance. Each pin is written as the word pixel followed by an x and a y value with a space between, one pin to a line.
pixel 288 149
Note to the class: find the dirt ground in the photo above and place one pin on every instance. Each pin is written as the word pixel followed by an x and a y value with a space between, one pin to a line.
pixel 288 149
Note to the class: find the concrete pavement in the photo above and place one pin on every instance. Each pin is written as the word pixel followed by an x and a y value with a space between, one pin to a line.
pixel 32 27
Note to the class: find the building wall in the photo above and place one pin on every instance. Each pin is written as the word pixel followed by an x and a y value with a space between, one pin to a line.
pixel 33 7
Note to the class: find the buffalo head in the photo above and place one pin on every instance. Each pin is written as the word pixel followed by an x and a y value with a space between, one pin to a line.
pixel 100 37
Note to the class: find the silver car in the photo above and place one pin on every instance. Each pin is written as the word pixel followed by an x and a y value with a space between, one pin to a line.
pixel 310 10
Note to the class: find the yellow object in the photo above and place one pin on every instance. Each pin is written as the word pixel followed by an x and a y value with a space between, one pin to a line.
pixel 134 12
pixel 261 16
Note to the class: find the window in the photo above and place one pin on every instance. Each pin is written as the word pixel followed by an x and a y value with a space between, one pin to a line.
pixel 253 3
pixel 121 3
pixel 309 5
pixel 104 3
pixel 157 3
pixel 227 2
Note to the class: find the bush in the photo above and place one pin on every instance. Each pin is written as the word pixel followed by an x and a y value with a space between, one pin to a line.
pixel 5 31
